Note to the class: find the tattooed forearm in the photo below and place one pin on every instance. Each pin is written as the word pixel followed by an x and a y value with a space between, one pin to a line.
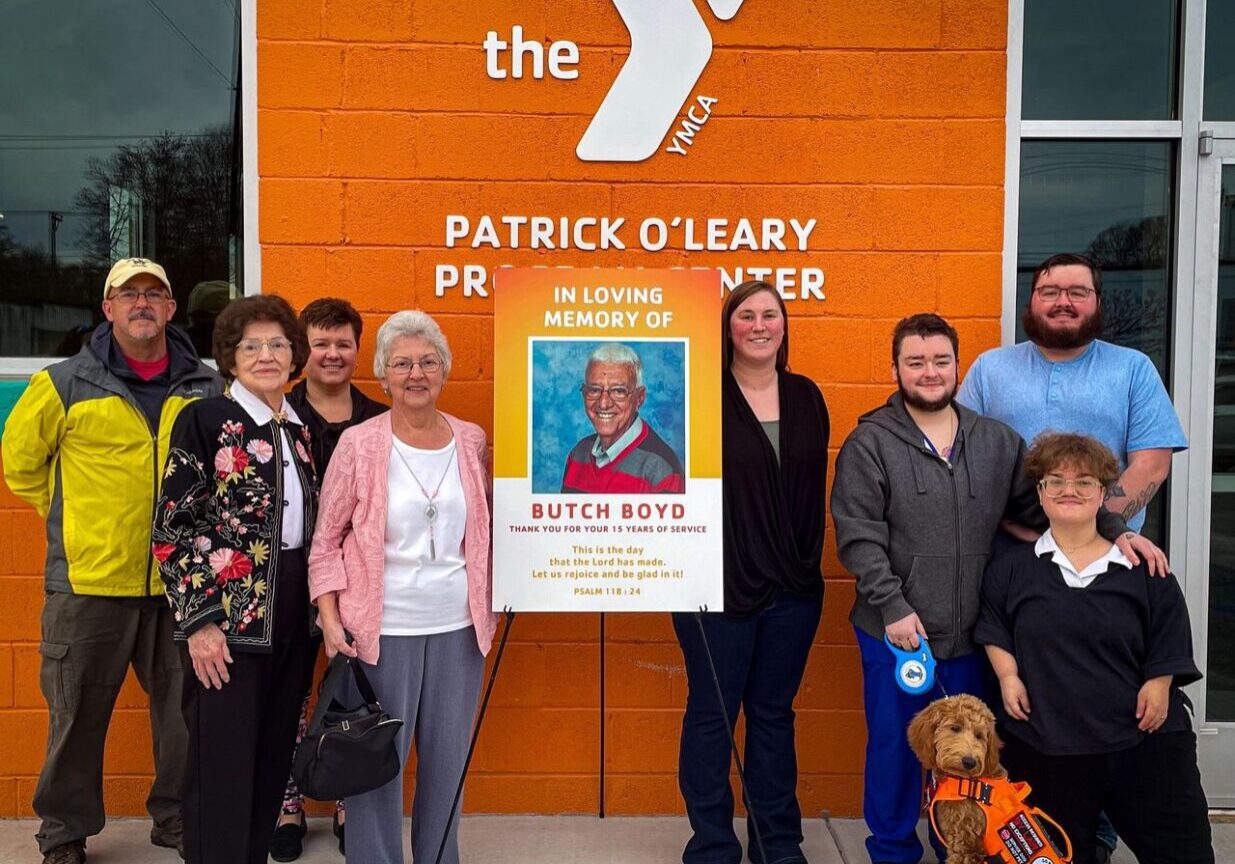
pixel 1137 504
pixel 1115 490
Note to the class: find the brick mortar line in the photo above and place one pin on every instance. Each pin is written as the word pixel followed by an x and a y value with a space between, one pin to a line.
pixel 643 184
pixel 453 112
pixel 876 186
pixel 624 47
pixel 558 252
pixel 534 115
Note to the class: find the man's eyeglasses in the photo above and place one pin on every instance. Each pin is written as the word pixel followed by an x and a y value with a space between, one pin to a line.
pixel 252 347
pixel 153 296
pixel 593 392
pixel 1076 293
pixel 403 366
pixel 1084 487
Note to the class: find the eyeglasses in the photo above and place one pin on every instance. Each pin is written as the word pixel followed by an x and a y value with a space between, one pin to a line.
pixel 593 392
pixel 252 347
pixel 403 366
pixel 1085 487
pixel 1076 293
pixel 153 296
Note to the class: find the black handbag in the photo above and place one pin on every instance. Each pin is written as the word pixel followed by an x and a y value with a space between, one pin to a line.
pixel 346 751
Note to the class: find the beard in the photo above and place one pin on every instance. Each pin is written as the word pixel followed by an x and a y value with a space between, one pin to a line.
pixel 1087 330
pixel 921 404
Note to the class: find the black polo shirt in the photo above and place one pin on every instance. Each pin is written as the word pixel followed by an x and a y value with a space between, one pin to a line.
pixel 1084 653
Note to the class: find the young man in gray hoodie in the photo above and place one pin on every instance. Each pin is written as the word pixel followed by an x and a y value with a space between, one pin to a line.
pixel 922 485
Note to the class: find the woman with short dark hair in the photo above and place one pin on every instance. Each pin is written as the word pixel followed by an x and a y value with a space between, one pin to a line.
pixel 231 530
pixel 1091 653
pixel 328 403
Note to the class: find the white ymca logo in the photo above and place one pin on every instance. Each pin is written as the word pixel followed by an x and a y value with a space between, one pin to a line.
pixel 669 48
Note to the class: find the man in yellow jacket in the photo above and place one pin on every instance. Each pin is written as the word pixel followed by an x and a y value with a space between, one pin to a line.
pixel 85 446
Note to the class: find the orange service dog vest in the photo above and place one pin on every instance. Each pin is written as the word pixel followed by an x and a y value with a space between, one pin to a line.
pixel 1014 830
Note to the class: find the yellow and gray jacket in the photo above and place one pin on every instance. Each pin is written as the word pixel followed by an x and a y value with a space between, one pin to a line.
pixel 80 450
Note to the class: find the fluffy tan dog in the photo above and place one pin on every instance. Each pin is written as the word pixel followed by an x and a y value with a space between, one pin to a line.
pixel 957 736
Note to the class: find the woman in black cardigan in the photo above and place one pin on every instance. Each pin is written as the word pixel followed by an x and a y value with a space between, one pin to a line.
pixel 230 533
pixel 775 450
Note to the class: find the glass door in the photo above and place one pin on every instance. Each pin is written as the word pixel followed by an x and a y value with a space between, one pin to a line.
pixel 1211 542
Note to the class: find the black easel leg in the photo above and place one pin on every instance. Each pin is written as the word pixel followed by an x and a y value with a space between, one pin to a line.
pixel 733 744
pixel 480 718
pixel 602 715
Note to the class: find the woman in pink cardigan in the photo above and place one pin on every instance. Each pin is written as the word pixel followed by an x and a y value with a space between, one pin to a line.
pixel 400 560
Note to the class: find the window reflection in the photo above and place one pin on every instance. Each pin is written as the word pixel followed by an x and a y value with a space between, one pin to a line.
pixel 1220 673
pixel 1112 201
pixel 1100 60
pixel 119 136
pixel 1219 61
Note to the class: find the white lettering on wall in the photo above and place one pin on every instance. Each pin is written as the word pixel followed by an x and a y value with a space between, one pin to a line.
pixel 563 56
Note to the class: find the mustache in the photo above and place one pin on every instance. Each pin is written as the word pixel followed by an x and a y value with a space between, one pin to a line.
pixel 141 315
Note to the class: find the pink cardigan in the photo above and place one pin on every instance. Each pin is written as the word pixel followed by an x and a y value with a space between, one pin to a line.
pixel 348 553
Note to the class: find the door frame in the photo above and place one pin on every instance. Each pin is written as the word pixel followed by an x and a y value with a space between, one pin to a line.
pixel 1215 741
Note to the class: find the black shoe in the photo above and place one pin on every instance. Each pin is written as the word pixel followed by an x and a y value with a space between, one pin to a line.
pixel 338 832
pixel 287 842
pixel 73 852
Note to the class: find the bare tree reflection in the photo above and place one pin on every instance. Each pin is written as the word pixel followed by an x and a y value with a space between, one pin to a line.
pixel 170 198
pixel 182 185
pixel 1134 313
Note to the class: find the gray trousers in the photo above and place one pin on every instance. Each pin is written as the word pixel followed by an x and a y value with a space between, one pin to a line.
pixel 433 684
pixel 88 645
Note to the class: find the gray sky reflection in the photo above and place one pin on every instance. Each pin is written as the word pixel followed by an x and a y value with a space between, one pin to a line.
pixel 76 68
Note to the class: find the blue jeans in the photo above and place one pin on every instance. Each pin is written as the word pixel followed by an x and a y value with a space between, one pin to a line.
pixel 759 662
pixel 892 793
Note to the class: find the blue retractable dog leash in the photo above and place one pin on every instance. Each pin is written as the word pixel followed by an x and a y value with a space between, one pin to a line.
pixel 915 670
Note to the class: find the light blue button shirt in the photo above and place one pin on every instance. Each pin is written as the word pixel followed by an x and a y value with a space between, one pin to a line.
pixel 1109 392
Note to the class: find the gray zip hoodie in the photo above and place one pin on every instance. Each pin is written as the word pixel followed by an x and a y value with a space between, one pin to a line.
pixel 916 531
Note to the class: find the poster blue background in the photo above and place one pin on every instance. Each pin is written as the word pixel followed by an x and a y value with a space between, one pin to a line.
pixel 558 418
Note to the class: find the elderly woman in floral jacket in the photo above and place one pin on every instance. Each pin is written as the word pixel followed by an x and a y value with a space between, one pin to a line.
pixel 231 532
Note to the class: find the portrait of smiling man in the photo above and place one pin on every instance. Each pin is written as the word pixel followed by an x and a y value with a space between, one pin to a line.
pixel 625 455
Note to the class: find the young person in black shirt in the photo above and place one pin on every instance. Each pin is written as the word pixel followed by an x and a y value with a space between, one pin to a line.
pixel 1091 653
pixel 775 452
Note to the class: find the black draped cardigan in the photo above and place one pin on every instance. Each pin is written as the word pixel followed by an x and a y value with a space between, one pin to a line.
pixel 773 511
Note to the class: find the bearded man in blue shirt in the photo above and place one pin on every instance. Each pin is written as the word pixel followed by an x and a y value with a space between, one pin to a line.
pixel 1065 379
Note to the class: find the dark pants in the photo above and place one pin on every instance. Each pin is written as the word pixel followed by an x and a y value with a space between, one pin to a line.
pixel 892 789
pixel 759 661
pixel 88 645
pixel 241 738
pixel 1151 792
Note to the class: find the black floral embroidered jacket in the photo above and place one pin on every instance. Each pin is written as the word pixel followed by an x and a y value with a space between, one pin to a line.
pixel 218 524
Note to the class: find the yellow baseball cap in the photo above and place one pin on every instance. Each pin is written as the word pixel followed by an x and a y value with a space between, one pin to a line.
pixel 126 268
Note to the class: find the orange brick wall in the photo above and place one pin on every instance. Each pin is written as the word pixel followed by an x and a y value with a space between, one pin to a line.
pixel 883 119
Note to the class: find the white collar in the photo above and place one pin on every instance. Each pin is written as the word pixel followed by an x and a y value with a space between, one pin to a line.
pixel 257 408
pixel 1046 543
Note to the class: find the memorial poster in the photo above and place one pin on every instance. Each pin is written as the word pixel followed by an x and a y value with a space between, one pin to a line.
pixel 607 451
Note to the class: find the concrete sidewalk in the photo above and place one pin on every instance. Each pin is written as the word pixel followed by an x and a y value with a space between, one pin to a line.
pixel 516 840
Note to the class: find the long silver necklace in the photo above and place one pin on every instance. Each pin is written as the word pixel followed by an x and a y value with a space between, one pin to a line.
pixel 430 507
